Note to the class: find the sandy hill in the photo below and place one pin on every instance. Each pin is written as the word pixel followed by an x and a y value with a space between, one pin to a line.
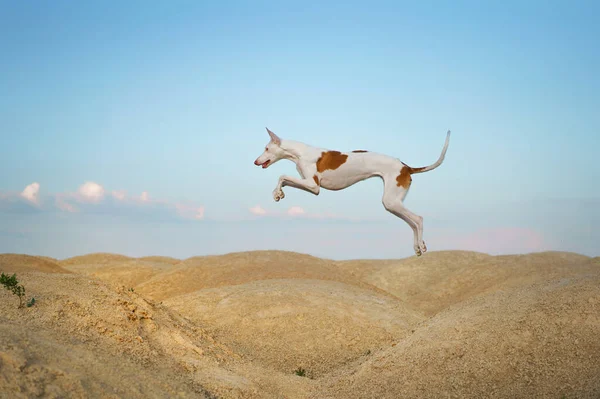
pixel 240 268
pixel 448 324
pixel 535 341
pixel 99 258
pixel 448 277
pixel 123 270
pixel 16 263
pixel 86 338
pixel 284 324
pixel 160 259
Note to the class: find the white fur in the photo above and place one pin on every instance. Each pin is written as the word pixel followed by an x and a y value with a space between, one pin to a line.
pixel 358 166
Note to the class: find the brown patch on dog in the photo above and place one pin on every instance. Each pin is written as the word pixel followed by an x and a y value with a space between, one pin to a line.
pixel 413 170
pixel 404 179
pixel 360 151
pixel 316 179
pixel 330 160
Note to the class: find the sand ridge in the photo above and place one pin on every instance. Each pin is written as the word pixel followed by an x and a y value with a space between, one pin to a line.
pixel 449 277
pixel 242 267
pixel 543 344
pixel 15 263
pixel 284 324
pixel 448 324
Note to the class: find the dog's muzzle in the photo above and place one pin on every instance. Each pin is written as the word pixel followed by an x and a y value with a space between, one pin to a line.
pixel 264 164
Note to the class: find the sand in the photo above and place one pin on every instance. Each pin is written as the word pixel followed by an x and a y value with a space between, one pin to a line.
pixel 447 324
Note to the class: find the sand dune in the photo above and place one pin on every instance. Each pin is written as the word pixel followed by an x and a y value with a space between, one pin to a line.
pixel 99 258
pixel 448 324
pixel 239 268
pixel 539 340
pixel 86 338
pixel 15 263
pixel 119 269
pixel 286 324
pixel 160 259
pixel 448 277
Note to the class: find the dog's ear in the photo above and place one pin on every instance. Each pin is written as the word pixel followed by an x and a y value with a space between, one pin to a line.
pixel 274 137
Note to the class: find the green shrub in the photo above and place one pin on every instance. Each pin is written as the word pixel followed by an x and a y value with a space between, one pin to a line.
pixel 300 372
pixel 11 284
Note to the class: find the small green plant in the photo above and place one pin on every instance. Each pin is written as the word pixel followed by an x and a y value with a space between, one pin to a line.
pixel 31 302
pixel 11 284
pixel 131 289
pixel 300 372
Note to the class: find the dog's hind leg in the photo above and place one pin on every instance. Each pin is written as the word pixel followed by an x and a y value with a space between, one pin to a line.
pixel 393 197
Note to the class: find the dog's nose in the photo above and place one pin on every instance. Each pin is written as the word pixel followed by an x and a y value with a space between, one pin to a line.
pixel 256 162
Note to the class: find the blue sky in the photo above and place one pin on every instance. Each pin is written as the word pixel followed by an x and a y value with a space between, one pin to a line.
pixel 105 101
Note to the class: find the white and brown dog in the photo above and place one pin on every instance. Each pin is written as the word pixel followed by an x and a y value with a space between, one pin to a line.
pixel 334 170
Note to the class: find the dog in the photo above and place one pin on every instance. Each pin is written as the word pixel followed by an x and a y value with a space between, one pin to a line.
pixel 335 170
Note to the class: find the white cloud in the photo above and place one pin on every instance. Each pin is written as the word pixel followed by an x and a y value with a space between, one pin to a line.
pixel 119 194
pixel 64 205
pixel 144 197
pixel 90 196
pixel 295 210
pixel 91 192
pixel 258 210
pixel 32 193
pixel 190 211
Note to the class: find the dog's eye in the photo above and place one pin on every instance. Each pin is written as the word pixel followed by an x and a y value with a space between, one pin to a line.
pixel 266 148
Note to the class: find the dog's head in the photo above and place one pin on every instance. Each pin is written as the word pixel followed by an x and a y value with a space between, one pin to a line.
pixel 272 153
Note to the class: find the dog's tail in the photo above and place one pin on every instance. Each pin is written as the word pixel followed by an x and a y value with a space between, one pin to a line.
pixel 437 163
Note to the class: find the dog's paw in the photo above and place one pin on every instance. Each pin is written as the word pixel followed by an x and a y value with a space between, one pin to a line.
pixel 278 195
pixel 423 247
pixel 418 251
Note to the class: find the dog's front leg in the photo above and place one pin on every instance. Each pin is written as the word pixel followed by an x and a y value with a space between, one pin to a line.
pixel 308 185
